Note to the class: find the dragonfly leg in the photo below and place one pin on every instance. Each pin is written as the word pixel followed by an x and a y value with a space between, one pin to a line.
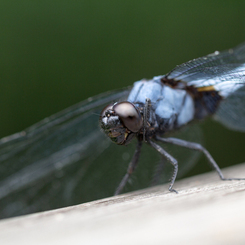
pixel 198 147
pixel 131 167
pixel 146 115
pixel 171 159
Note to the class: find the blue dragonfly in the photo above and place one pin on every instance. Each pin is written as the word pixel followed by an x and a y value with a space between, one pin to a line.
pixel 66 159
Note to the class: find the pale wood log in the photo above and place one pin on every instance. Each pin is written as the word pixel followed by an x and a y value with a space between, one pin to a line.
pixel 206 211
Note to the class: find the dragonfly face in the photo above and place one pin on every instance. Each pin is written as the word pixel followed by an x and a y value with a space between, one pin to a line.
pixel 58 161
pixel 121 122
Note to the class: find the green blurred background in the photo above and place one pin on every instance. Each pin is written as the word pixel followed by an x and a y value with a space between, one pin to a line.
pixel 56 53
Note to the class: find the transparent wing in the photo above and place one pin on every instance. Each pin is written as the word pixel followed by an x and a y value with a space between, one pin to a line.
pixel 224 72
pixel 65 160
pixel 217 68
pixel 231 111
pixel 41 166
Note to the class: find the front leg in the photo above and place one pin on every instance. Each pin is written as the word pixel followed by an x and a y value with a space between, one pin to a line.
pixel 131 167
pixel 146 116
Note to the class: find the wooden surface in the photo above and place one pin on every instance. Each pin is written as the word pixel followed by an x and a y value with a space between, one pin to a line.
pixel 206 211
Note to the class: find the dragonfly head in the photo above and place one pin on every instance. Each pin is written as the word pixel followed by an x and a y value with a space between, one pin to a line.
pixel 121 122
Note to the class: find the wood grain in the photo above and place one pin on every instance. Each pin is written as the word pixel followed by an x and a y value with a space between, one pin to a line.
pixel 206 211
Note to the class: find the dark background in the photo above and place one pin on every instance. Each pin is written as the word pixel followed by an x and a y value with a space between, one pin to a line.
pixel 54 54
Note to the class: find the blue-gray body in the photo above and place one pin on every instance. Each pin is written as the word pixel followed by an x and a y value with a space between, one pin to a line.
pixel 171 108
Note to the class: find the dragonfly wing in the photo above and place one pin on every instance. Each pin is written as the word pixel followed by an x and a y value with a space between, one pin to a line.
pixel 231 111
pixel 212 69
pixel 223 72
pixel 34 163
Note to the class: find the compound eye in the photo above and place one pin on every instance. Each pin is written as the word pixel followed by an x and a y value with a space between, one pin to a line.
pixel 129 115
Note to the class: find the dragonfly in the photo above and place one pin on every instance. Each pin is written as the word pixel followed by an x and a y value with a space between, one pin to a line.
pixel 193 90
pixel 66 159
